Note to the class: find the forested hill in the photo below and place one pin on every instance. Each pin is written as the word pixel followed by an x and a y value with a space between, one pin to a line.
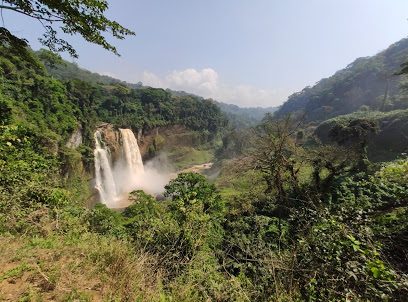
pixel 44 112
pixel 67 71
pixel 367 83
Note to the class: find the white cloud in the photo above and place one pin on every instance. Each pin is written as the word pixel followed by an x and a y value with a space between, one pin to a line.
pixel 109 74
pixel 206 82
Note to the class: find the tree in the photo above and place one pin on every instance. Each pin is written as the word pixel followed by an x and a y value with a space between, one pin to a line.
pixel 189 190
pixel 279 158
pixel 83 17
pixel 355 134
pixel 328 162
pixel 403 70
pixel 276 152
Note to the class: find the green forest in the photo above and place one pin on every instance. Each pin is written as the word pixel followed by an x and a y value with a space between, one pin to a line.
pixel 306 203
pixel 368 83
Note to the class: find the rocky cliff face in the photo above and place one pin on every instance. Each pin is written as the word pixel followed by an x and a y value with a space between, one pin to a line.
pixel 164 138
pixel 111 137
pixel 76 139
pixel 152 141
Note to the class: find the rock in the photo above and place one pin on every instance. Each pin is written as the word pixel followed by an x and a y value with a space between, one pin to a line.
pixel 76 139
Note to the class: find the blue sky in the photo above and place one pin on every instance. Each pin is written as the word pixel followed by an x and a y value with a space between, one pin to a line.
pixel 250 53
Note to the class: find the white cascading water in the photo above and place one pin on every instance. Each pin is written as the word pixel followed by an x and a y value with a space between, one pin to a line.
pixel 105 182
pixel 131 152
pixel 114 183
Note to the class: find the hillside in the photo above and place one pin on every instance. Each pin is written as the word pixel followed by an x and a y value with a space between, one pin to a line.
pixel 367 83
pixel 239 117
pixel 247 116
pixel 64 108
pixel 389 141
pixel 67 71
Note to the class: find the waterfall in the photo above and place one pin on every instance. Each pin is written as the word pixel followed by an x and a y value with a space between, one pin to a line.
pixel 105 183
pixel 113 184
pixel 131 152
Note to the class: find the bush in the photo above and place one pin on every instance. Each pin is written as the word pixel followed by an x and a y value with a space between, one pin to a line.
pixel 106 221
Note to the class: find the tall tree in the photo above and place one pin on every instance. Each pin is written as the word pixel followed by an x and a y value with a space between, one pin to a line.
pixel 83 17
pixel 275 153
pixel 279 158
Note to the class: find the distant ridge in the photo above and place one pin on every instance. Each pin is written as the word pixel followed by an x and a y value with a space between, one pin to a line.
pixel 368 83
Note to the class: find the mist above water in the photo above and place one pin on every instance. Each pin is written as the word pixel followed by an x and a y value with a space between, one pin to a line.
pixel 114 181
pixel 156 173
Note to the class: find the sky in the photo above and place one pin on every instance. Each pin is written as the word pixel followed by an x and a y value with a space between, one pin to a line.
pixel 249 53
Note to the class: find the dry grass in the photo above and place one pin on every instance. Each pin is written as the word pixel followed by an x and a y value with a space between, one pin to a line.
pixel 89 268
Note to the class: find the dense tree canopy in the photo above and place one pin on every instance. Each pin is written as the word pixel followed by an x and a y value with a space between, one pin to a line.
pixel 62 105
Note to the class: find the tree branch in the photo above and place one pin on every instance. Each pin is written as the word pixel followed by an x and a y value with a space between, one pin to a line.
pixel 38 17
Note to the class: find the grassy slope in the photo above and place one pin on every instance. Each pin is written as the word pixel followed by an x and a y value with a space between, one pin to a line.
pixel 185 157
pixel 59 268
pixel 235 178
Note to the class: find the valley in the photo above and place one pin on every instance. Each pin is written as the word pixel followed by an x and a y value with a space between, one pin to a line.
pixel 119 191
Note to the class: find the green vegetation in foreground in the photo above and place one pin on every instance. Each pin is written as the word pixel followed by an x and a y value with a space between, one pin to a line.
pixel 286 221
pixel 194 247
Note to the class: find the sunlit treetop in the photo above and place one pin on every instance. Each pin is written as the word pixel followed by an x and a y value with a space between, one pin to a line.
pixel 83 17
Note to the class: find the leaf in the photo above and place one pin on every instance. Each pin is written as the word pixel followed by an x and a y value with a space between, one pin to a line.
pixel 376 272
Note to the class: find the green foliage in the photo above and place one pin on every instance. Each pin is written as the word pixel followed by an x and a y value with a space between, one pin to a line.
pixel 105 221
pixel 144 108
pixel 33 96
pixel 334 235
pixel 369 82
pixel 5 112
pixel 30 184
pixel 191 190
pixel 396 172
pixel 148 223
pixel 356 131
pixel 85 18
pixel 294 221
pixel 355 134
pixel 338 250
pixel 250 238
pixel 338 264
pixel 184 231
pixel 386 143
pixel 21 160
pixel 70 71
